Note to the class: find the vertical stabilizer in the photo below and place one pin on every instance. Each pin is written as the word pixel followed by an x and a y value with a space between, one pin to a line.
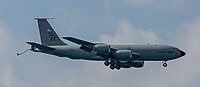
pixel 47 34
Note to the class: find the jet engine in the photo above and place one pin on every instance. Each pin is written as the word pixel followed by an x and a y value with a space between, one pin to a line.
pixel 129 64
pixel 102 48
pixel 123 54
pixel 137 63
pixel 124 64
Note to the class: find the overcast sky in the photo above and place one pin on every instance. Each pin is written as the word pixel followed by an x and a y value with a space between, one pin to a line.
pixel 172 22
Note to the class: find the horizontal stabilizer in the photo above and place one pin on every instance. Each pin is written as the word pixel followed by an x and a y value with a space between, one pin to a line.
pixel 41 47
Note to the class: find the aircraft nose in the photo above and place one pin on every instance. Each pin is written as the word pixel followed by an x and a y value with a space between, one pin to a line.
pixel 182 53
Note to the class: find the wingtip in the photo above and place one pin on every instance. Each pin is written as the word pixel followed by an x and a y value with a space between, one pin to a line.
pixel 67 38
pixel 29 42
pixel 64 37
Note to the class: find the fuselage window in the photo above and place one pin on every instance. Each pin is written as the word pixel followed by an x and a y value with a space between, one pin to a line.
pixel 169 52
pixel 160 52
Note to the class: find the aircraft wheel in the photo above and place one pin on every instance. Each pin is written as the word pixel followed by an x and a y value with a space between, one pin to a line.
pixel 112 67
pixel 165 64
pixel 106 63
pixel 118 67
pixel 112 63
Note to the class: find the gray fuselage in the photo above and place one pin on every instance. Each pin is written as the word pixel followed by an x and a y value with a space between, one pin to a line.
pixel 146 52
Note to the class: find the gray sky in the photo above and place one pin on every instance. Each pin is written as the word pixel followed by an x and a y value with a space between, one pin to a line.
pixel 173 22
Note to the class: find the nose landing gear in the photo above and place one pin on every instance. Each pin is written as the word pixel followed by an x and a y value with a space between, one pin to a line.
pixel 164 64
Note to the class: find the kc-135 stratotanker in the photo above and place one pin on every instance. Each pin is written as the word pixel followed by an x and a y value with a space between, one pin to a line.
pixel 114 56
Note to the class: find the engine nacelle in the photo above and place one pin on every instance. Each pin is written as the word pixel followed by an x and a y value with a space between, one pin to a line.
pixel 137 63
pixel 123 54
pixel 124 64
pixel 102 48
pixel 129 64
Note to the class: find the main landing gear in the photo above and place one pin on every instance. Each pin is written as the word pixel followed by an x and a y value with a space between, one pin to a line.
pixel 106 63
pixel 112 65
pixel 164 64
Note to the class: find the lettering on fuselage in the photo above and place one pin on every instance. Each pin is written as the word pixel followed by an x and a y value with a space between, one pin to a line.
pixel 169 52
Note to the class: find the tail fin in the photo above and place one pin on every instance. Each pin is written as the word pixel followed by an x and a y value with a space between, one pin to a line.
pixel 47 34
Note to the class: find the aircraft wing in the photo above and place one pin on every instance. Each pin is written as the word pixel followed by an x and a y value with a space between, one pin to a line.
pixel 78 41
pixel 88 46
pixel 41 47
pixel 85 45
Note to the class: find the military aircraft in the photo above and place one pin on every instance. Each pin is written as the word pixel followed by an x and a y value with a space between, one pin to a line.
pixel 114 56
